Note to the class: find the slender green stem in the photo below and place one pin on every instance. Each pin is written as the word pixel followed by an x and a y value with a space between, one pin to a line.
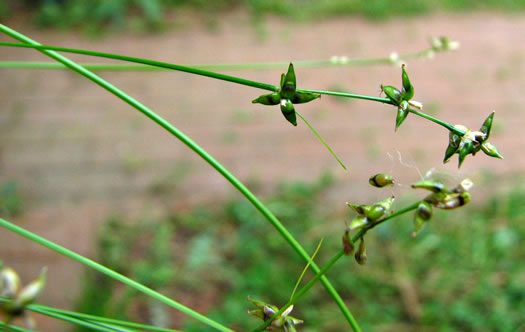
pixel 331 262
pixel 306 268
pixel 80 322
pixel 8 328
pixel 100 319
pixel 334 61
pixel 439 122
pixel 110 273
pixel 347 95
pixel 89 66
pixel 186 69
pixel 322 140
pixel 204 155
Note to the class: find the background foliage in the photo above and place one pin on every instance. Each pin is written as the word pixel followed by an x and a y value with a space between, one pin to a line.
pixel 461 273
pixel 152 14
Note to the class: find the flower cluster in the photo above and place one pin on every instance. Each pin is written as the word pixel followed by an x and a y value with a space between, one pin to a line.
pixel 402 99
pixel 287 96
pixel 471 142
pixel 440 198
pixel 368 214
pixel 283 322
pixel 17 297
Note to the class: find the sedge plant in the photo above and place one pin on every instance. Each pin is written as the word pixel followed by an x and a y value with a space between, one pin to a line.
pixel 288 94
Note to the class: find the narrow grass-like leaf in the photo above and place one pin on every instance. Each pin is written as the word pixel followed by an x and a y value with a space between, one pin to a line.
pixel 99 319
pixel 110 273
pixel 306 268
pixel 95 326
pixel 14 328
pixel 322 141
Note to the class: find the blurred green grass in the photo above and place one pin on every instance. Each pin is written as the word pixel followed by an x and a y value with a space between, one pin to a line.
pixel 463 272
pixel 151 14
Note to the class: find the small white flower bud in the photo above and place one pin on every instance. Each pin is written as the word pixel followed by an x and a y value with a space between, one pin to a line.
pixel 394 58
pixel 416 104
pixel 10 282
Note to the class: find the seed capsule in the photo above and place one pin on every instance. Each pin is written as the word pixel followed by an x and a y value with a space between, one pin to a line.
pixel 288 85
pixel 257 313
pixel 381 180
pixel 453 201
pixel 430 185
pixel 358 222
pixel 422 215
pixel 360 255
pixel 29 293
pixel 10 282
pixel 408 88
pixel 467 148
pixel 304 97
pixel 401 114
pixel 392 93
pixel 269 99
pixel 361 209
pixel 451 149
pixel 491 150
pixel 288 111
pixel 379 209
pixel 487 126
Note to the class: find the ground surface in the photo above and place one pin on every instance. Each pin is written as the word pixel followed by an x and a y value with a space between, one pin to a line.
pixel 79 154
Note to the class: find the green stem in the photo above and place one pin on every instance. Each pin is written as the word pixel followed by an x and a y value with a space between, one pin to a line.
pixel 9 328
pixel 439 122
pixel 75 321
pixel 322 140
pixel 344 94
pixel 100 319
pixel 204 155
pixel 343 61
pixel 331 262
pixel 110 273
pixel 186 69
pixel 89 66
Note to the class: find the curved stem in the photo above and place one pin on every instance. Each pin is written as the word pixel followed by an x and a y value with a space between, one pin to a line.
pixel 186 69
pixel 204 155
pixel 110 273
